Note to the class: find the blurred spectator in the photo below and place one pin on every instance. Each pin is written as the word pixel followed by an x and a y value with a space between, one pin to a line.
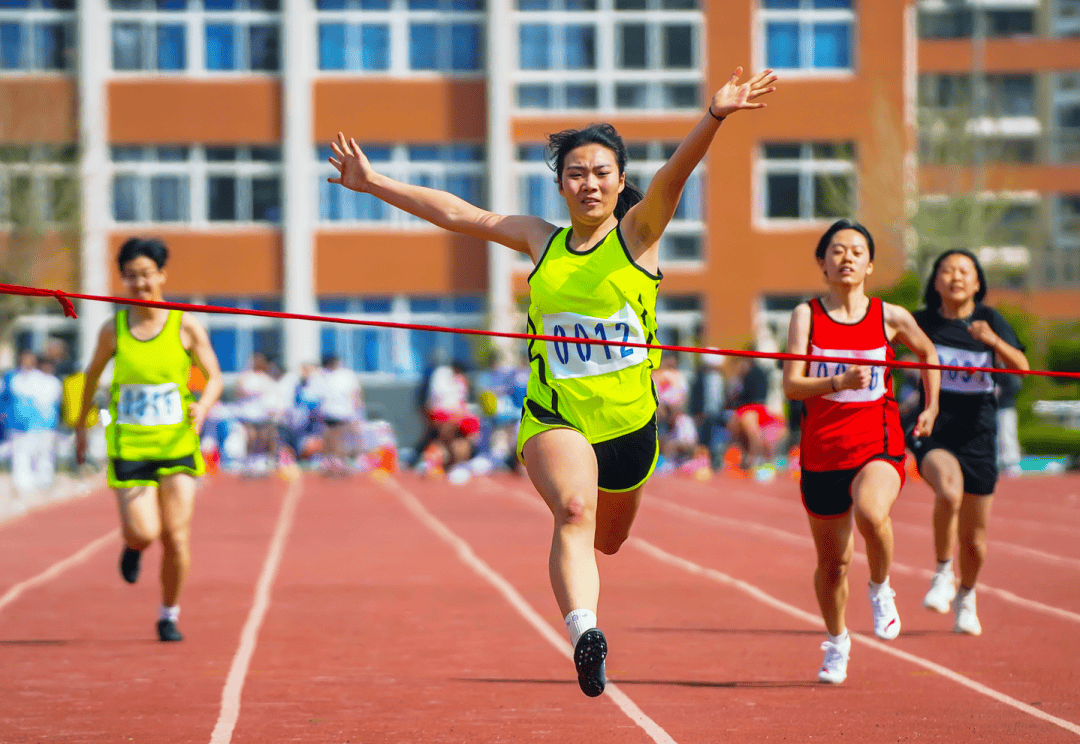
pixel 503 395
pixel 706 406
pixel 255 390
pixel 454 431
pixel 1008 435
pixel 676 430
pixel 299 426
pixel 56 352
pixel 754 428
pixel 33 414
pixel 339 403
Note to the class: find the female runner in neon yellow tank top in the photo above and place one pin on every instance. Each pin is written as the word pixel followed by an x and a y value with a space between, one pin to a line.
pixel 153 435
pixel 588 431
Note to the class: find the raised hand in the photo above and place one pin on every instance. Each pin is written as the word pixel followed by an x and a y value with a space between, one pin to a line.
pixel 354 170
pixel 738 97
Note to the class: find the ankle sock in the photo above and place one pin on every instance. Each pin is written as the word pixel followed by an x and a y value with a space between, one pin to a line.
pixel 169 613
pixel 577 622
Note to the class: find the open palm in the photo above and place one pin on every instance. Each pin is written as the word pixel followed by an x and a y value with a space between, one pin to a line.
pixel 735 96
pixel 354 170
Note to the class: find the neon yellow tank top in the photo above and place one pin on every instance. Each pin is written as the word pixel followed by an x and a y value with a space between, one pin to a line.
pixel 604 391
pixel 150 397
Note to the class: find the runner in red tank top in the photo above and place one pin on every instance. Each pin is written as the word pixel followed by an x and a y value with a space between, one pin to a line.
pixel 852 447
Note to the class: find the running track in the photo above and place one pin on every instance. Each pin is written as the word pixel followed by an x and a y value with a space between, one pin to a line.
pixel 403 610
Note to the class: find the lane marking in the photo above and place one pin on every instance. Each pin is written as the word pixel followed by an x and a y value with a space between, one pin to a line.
pixel 792 610
pixel 467 556
pixel 234 683
pixel 697 515
pixel 59 567
pixel 762 596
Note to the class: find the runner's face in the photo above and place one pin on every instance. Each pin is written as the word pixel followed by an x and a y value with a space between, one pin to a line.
pixel 591 182
pixel 956 281
pixel 847 259
pixel 143 278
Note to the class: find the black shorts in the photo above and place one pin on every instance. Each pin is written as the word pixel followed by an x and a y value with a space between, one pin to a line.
pixel 828 493
pixel 131 473
pixel 979 468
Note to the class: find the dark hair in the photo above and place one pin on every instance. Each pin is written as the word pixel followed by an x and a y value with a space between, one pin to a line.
pixel 931 296
pixel 844 224
pixel 330 359
pixel 562 143
pixel 152 248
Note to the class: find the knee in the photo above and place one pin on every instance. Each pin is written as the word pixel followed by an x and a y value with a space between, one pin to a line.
pixel 175 539
pixel 576 513
pixel 139 539
pixel 834 572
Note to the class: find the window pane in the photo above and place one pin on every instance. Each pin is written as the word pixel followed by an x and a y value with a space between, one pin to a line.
pixel 782 45
pixel 21 200
pixel 168 199
pixel 465 45
pixel 631 96
pixel 678 46
pixel 832 45
pixel 224 342
pixel 580 47
pixel 423 46
pixel 221 198
pixel 534 96
pixel 264 47
pixel 267 154
pixel 331 46
pixel 170 48
pixel 782 151
pixel 535 52
pixel 581 96
pixel 127 46
pixel 632 46
pixel 691 204
pixel 63 199
pixel 125 188
pixel 466 187
pixel 220 46
pixel 266 199
pixel 832 195
pixel 369 208
pixel 10 46
pixel 630 5
pixel 52 45
pixel 682 95
pixel 681 247
pixel 783 196
pixel 375 47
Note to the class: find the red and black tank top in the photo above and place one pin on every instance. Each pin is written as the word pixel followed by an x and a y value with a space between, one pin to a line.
pixel 849 428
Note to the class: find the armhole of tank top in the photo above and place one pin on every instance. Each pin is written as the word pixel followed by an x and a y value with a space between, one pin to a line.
pixel 547 248
pixel 626 252
pixel 884 326
pixel 810 332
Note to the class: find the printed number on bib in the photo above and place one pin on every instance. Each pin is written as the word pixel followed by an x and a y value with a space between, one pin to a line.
pixel 150 405
pixel 572 358
pixel 874 391
pixel 956 381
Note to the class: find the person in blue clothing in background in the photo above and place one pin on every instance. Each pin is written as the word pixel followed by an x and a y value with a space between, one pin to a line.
pixel 31 418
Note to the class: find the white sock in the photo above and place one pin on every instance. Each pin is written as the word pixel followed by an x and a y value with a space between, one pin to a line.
pixel 577 622
pixel 875 588
pixel 169 613
pixel 944 566
pixel 839 640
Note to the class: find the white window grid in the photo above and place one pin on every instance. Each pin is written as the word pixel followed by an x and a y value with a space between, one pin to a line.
pixel 193 173
pixel 608 76
pixel 31 19
pixel 398 18
pixel 806 16
pixel 688 222
pixel 194 20
pixel 807 166
pixel 401 168
pixel 41 175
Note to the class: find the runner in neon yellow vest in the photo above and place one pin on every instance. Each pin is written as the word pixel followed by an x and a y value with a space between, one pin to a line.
pixel 153 433
pixel 588 428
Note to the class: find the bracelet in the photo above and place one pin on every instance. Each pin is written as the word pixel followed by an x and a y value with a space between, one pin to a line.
pixel 718 118
pixel 832 381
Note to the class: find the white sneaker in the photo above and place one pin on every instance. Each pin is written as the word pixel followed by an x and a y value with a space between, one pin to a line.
pixel 834 667
pixel 967 620
pixel 942 592
pixel 886 618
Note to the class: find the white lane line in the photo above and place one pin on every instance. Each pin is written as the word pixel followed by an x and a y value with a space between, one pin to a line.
pixel 755 528
pixel 59 567
pixel 762 596
pixel 234 683
pixel 510 594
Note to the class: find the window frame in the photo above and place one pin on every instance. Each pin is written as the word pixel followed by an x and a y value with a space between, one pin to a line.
pixel 30 19
pixel 806 166
pixel 805 16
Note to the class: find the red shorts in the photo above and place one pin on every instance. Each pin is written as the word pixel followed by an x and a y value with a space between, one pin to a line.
pixel 468 424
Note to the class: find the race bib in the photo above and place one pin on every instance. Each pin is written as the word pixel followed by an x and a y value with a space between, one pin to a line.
pixel 150 405
pixel 571 358
pixel 874 391
pixel 956 381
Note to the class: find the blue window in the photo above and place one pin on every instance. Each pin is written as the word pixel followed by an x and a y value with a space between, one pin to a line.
pixel 125 197
pixel 11 46
pixel 808 34
pixel 782 45
pixel 53 43
pixel 580 46
pixel 171 52
pixel 354 47
pixel 535 40
pixel 331 46
pixel 423 43
pixel 224 342
pixel 465 45
pixel 832 45
pixel 220 46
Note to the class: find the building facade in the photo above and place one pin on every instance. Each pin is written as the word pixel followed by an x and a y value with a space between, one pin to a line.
pixel 208 123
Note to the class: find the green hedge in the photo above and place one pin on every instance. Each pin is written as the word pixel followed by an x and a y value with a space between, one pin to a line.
pixel 1050 440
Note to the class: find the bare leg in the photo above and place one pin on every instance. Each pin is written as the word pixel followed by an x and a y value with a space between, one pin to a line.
pixel 834 540
pixel 973 519
pixel 941 470
pixel 177 497
pixel 615 514
pixel 873 492
pixel 140 516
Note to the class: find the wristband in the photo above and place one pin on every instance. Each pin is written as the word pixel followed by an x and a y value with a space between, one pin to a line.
pixel 718 118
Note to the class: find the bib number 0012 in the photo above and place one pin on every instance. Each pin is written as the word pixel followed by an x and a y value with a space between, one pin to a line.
pixel 585 351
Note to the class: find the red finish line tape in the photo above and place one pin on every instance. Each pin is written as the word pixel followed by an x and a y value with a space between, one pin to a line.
pixel 64 298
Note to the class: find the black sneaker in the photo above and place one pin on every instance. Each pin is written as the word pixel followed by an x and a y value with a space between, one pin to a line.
pixel 129 564
pixel 167 631
pixel 589 655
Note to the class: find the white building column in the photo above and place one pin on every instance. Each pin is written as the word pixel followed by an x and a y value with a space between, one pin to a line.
pixel 300 340
pixel 500 147
pixel 95 261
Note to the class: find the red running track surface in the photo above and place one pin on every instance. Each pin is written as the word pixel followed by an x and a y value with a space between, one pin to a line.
pixel 405 610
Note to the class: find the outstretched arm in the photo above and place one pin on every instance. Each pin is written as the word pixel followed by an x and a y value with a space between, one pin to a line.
pixel 524 234
pixel 646 220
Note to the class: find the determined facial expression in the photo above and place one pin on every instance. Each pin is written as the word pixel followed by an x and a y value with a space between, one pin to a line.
pixel 956 280
pixel 847 259
pixel 591 182
pixel 143 278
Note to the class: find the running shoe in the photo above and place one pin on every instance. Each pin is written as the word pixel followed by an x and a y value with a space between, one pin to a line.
pixel 886 618
pixel 589 655
pixel 967 620
pixel 167 631
pixel 834 667
pixel 942 592
pixel 129 564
